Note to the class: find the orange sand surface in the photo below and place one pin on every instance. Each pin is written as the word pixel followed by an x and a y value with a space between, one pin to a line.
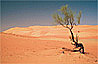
pixel 43 45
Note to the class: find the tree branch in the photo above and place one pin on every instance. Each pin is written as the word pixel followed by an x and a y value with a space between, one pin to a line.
pixel 63 25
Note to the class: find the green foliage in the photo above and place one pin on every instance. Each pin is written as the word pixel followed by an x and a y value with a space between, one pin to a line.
pixel 78 17
pixel 68 18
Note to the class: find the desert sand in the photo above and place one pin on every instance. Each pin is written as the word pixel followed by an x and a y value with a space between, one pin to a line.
pixel 43 45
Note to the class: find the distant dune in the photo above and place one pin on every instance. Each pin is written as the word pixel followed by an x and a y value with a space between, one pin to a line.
pixel 90 31
pixel 42 45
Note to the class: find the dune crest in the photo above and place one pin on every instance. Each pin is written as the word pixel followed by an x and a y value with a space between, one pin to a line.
pixel 57 31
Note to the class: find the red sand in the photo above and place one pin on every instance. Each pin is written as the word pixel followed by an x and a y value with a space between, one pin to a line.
pixel 42 45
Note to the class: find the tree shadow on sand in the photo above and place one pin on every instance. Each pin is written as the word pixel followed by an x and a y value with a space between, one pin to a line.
pixel 67 49
pixel 88 55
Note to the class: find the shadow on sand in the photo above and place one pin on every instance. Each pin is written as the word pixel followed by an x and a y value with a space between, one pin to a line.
pixel 66 49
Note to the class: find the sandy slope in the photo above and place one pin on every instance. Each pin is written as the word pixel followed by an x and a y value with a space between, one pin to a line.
pixel 42 45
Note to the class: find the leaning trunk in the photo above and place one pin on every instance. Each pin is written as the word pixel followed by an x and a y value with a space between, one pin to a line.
pixel 72 35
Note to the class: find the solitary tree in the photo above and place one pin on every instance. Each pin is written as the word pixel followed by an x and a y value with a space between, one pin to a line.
pixel 67 19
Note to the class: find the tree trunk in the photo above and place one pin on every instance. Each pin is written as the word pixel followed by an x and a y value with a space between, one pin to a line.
pixel 72 35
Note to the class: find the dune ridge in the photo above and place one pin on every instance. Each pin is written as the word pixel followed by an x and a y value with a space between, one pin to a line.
pixel 54 31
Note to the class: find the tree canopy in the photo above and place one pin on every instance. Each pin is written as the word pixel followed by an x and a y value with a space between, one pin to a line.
pixel 68 17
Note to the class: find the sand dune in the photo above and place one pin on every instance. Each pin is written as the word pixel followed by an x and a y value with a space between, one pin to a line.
pixel 42 45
